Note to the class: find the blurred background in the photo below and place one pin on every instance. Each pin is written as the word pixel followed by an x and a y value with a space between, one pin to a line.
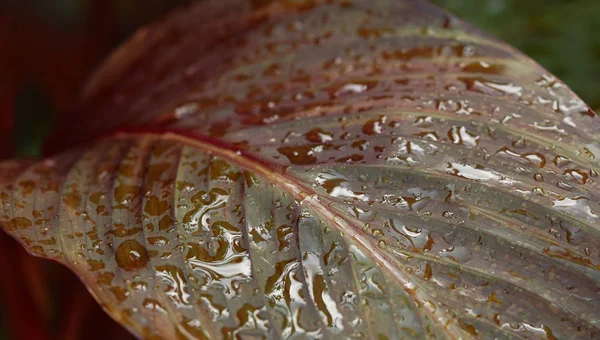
pixel 48 48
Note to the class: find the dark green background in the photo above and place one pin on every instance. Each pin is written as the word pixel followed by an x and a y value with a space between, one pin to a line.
pixel 562 35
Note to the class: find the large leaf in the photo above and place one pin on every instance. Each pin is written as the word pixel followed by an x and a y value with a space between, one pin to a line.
pixel 322 169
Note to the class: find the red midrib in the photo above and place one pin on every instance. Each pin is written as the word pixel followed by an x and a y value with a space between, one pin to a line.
pixel 305 193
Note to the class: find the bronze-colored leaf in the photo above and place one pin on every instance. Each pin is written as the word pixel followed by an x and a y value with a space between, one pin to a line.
pixel 322 169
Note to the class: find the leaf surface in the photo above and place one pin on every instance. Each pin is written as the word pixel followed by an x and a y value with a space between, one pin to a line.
pixel 322 169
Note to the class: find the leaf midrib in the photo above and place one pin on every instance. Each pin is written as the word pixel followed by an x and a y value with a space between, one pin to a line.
pixel 306 196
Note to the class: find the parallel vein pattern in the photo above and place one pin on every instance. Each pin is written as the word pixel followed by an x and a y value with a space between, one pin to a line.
pixel 323 169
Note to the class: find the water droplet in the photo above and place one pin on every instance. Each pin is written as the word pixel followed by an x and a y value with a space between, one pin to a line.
pixel 373 126
pixel 299 155
pixel 460 135
pixel 578 175
pixel 560 161
pixel 477 173
pixel 536 159
pixel 317 135
pixel 484 86
pixel 131 255
pixel 520 143
pixel 447 214
pixel 577 206
pixel 351 88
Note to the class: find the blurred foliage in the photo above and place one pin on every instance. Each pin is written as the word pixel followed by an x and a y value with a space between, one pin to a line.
pixel 70 15
pixel 2 325
pixel 32 105
pixel 561 35
pixel 51 47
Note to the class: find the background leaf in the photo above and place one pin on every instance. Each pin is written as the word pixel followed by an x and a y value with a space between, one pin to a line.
pixel 322 169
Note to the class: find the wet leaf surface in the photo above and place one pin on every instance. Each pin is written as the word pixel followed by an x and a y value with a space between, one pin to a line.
pixel 352 169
